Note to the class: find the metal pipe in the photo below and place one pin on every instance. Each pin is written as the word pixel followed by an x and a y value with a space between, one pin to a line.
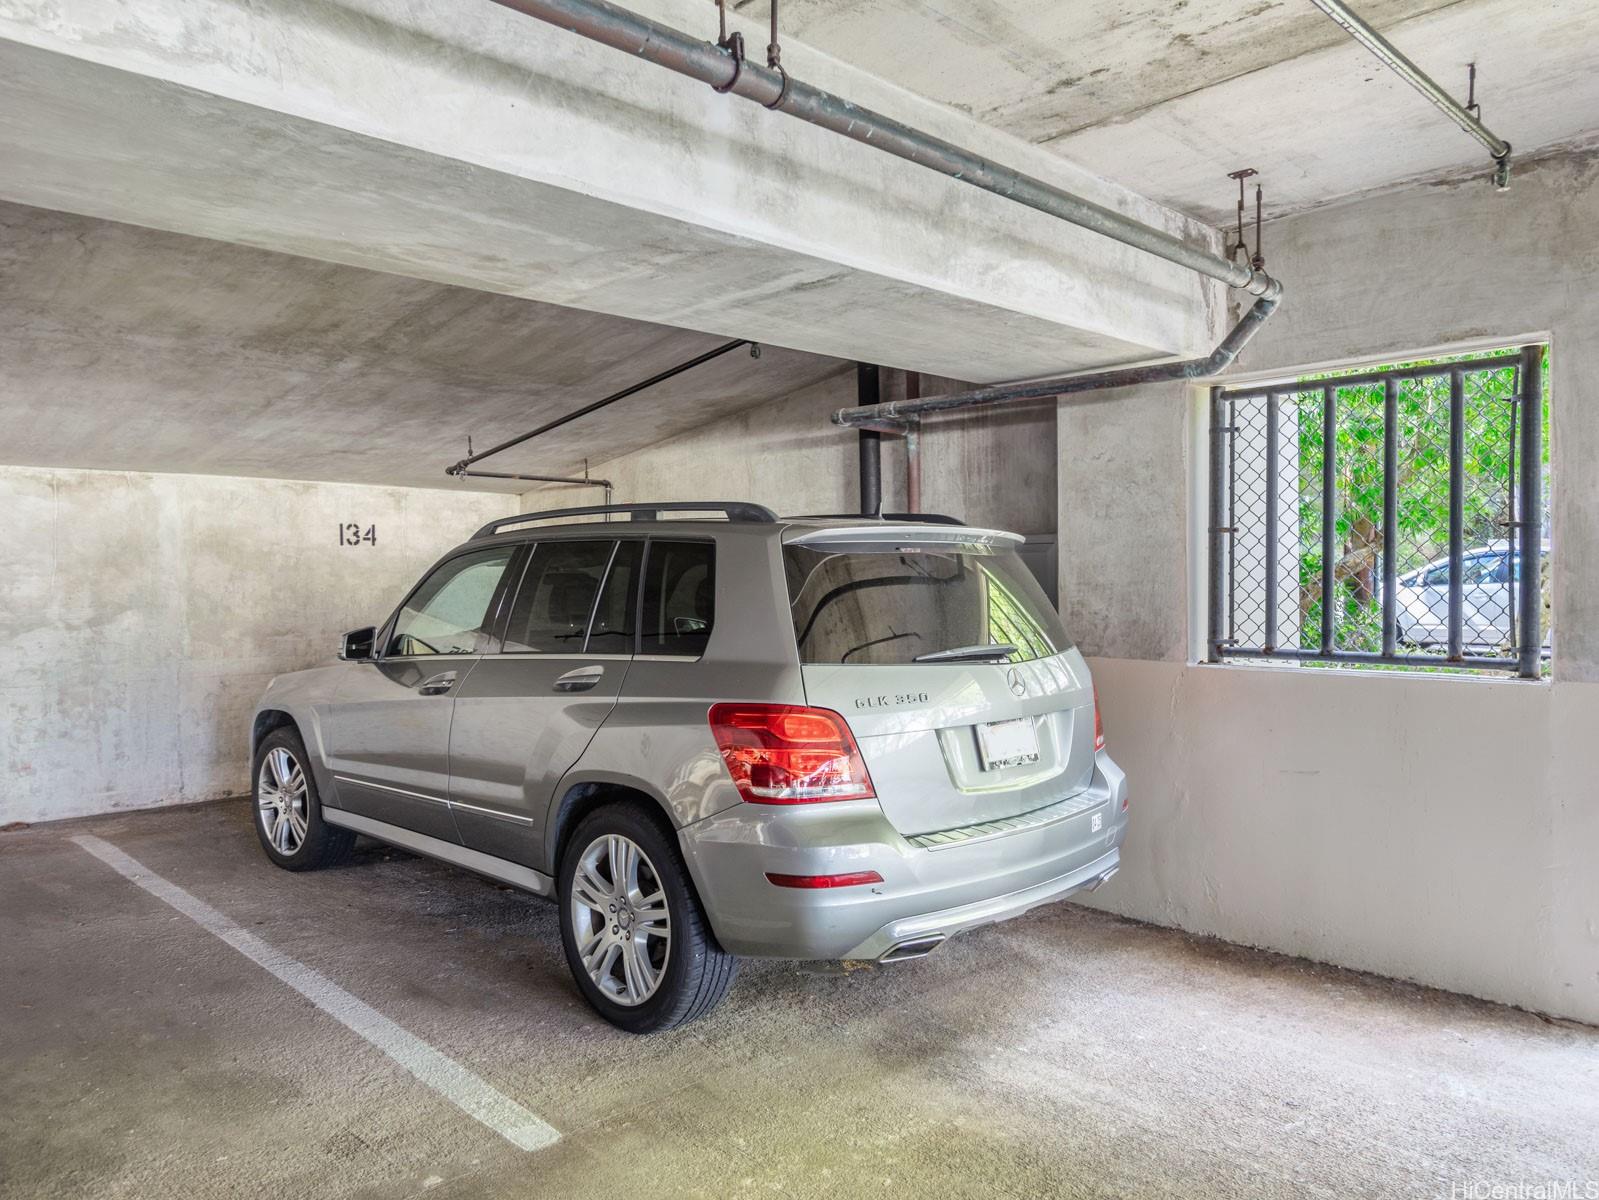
pixel 1219 585
pixel 1530 649
pixel 1457 513
pixel 573 480
pixel 871 444
pixel 659 377
pixel 913 467
pixel 1329 522
pixel 871 451
pixel 1390 517
pixel 895 411
pixel 913 447
pixel 774 88
pixel 1356 26
pixel 1232 523
pixel 1273 404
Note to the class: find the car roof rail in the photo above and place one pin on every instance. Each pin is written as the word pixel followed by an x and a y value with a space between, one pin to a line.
pixel 915 518
pixel 736 511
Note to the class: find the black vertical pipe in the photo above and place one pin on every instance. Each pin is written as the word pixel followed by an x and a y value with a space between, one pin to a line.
pixel 1530 648
pixel 1269 640
pixel 1329 516
pixel 1390 516
pixel 1218 475
pixel 867 391
pixel 1457 513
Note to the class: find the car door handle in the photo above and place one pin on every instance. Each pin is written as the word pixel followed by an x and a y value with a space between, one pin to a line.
pixel 579 680
pixel 437 685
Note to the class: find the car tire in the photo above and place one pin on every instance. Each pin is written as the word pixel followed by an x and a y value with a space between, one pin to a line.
pixel 689 975
pixel 286 809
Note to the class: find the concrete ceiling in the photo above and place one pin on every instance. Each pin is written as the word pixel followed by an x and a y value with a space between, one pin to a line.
pixel 467 144
pixel 556 175
pixel 1167 96
pixel 125 348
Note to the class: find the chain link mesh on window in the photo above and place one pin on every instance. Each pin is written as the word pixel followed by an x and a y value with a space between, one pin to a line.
pixel 1274 512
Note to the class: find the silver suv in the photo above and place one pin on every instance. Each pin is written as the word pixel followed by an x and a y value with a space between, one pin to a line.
pixel 711 736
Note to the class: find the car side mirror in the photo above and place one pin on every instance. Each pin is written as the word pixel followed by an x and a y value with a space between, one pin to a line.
pixel 357 644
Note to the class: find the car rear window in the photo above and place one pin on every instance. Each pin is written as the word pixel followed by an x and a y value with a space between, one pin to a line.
pixel 900 605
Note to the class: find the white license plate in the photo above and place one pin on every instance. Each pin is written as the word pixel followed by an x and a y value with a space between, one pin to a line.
pixel 1008 743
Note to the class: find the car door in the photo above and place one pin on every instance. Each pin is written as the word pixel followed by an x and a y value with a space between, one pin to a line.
pixel 1485 601
pixel 389 724
pixel 527 712
pixel 1435 597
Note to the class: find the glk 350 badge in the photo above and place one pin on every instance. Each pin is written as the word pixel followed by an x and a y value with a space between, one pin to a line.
pixel 892 700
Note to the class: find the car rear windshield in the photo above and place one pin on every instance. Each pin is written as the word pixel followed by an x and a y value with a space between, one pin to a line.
pixel 903 605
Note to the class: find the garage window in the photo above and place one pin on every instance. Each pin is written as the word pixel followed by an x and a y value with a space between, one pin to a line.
pixel 1388 517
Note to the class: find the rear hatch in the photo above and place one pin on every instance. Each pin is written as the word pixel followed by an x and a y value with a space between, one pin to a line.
pixel 951 666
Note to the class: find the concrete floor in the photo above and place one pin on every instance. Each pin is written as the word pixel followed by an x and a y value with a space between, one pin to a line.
pixel 1064 1054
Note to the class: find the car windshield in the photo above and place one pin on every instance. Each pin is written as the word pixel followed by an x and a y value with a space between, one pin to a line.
pixel 899 605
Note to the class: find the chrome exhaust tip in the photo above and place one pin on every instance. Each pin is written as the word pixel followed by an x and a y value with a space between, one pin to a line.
pixel 1095 886
pixel 914 948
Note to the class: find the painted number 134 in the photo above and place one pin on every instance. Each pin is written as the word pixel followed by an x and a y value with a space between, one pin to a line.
pixel 351 534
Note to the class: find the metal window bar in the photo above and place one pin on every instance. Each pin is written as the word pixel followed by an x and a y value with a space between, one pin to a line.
pixel 1220 582
pixel 1232 525
pixel 1383 547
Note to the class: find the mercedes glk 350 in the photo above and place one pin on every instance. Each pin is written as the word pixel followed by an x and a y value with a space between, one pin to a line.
pixel 708 732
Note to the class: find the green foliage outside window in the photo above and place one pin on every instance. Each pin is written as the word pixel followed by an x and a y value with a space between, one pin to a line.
pixel 1422 531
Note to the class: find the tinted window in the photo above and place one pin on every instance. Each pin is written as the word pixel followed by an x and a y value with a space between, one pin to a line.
pixel 559 587
pixel 1503 574
pixel 679 598
pixel 448 611
pixel 894 606
pixel 613 615
pixel 1485 569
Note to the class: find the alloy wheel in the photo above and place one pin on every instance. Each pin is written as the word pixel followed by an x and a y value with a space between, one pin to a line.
pixel 620 921
pixel 282 800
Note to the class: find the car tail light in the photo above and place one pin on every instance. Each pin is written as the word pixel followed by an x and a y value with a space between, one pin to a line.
pixel 784 754
pixel 1099 725
pixel 853 879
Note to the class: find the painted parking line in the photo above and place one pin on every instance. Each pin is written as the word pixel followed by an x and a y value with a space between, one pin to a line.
pixel 472 1095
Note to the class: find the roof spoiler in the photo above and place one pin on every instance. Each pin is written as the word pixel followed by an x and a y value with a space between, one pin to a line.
pixel 884 533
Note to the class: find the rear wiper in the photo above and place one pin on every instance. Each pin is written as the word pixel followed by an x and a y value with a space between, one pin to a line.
pixel 893 637
pixel 1000 650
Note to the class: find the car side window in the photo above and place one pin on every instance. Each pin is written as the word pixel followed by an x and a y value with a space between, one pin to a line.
pixel 448 611
pixel 556 599
pixel 1436 577
pixel 1486 568
pixel 612 631
pixel 679 609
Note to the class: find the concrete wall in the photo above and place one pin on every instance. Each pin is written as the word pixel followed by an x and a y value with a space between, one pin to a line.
pixel 988 468
pixel 1431 828
pixel 142 615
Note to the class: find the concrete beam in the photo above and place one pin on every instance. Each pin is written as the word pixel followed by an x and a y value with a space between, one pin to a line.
pixel 469 145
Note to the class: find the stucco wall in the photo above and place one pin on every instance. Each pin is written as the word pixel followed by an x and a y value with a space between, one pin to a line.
pixel 1435 829
pixel 142 615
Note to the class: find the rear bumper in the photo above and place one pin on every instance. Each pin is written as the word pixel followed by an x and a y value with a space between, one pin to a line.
pixel 927 894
